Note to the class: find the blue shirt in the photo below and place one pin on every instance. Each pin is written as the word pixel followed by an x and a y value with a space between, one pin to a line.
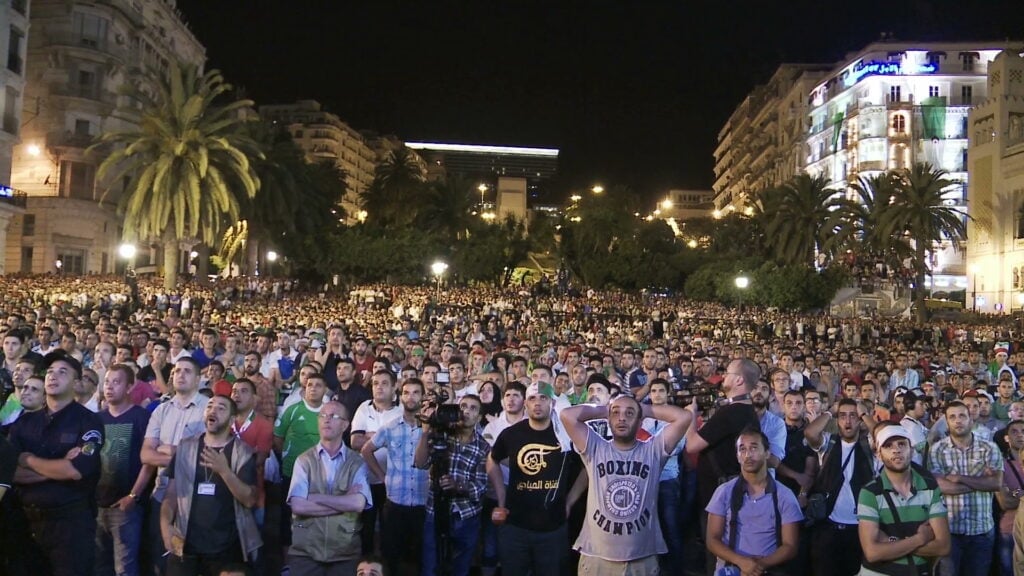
pixel 406 484
pixel 756 533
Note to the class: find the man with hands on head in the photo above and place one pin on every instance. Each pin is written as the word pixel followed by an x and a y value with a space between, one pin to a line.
pixel 621 532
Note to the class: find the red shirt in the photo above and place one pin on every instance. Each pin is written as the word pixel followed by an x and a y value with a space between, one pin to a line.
pixel 258 433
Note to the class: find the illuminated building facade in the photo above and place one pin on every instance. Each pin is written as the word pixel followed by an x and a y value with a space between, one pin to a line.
pixel 13 36
pixel 995 245
pixel 761 145
pixel 896 104
pixel 79 55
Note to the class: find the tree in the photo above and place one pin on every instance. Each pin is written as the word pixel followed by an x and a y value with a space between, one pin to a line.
pixel 857 220
pixel 918 217
pixel 445 208
pixel 798 215
pixel 397 191
pixel 188 163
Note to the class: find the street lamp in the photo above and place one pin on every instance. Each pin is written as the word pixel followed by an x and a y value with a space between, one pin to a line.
pixel 974 287
pixel 271 258
pixel 483 190
pixel 438 268
pixel 126 251
pixel 575 198
pixel 597 189
pixel 741 283
pixel 667 204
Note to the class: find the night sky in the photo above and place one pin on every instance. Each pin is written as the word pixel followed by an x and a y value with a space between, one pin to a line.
pixel 632 92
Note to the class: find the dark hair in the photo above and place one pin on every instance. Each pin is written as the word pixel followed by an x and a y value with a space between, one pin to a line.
pixel 391 375
pixel 259 357
pixel 192 361
pixel 754 430
pixel 234 407
pixel 250 383
pixel 125 371
pixel 792 393
pixel 515 385
pixel 660 381
pixel 751 372
pixel 846 402
pixel 430 364
pixel 955 404
pixel 415 382
pixel 348 361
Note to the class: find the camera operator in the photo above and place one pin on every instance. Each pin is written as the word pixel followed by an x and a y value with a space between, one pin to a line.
pixel 458 481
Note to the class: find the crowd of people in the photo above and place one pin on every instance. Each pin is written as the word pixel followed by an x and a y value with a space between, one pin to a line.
pixel 265 427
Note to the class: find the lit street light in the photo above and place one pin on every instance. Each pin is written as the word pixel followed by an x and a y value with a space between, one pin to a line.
pixel 575 198
pixel 483 190
pixel 126 251
pixel 271 258
pixel 438 268
pixel 597 189
pixel 741 283
pixel 666 204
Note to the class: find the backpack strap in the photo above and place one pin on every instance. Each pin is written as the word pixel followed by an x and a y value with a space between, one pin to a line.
pixel 739 490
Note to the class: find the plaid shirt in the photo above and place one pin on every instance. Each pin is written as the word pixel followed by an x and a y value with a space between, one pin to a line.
pixel 970 514
pixel 468 469
pixel 406 484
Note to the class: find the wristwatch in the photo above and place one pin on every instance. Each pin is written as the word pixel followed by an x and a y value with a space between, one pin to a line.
pixel 134 496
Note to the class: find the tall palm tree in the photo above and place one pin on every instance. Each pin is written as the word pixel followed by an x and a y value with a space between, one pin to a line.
pixel 918 215
pixel 856 222
pixel 187 162
pixel 394 196
pixel 798 215
pixel 446 208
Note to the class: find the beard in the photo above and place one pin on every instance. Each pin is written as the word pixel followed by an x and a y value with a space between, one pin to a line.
pixel 894 467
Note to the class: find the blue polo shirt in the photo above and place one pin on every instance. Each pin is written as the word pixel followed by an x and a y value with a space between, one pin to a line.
pixel 52 435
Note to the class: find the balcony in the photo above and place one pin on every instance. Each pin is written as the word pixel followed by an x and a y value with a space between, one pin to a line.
pixel 869 165
pixel 85 93
pixel 68 139
pixel 76 41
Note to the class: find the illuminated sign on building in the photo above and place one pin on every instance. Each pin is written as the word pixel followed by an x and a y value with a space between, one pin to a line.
pixel 6 191
pixel 876 68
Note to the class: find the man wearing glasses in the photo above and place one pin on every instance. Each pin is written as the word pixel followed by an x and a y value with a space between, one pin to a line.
pixel 328 493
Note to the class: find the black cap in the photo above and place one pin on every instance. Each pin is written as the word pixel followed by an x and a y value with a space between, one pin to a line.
pixel 62 356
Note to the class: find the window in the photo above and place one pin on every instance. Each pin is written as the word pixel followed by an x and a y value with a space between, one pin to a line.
pixel 894 94
pixel 969 58
pixel 83 128
pixel 966 95
pixel 19 6
pixel 11 110
pixel 14 63
pixel 76 179
pixel 72 261
pixel 933 91
pixel 90 29
pixel 86 83
pixel 899 124
pixel 28 225
pixel 26 259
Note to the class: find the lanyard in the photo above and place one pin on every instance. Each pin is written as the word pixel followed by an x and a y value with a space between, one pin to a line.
pixel 248 421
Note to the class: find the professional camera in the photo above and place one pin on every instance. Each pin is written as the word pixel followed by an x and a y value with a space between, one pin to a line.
pixel 446 417
pixel 707 397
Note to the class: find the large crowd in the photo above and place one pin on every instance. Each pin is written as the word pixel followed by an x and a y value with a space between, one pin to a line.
pixel 263 426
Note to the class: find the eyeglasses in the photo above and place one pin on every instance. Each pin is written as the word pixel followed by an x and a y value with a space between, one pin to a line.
pixel 331 417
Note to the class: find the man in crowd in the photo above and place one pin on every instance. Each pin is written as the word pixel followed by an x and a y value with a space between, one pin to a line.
pixel 669 484
pixel 329 491
pixel 257 432
pixel 180 417
pixel 370 417
pixel 531 503
pixel 350 392
pixel 124 479
pixel 461 489
pixel 902 516
pixel 621 533
pixel 968 469
pixel 753 521
pixel 404 512
pixel 1010 492
pixel 206 518
pixel 58 470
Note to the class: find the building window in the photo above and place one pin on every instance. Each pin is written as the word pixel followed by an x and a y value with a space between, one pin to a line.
pixel 19 6
pixel 11 110
pixel 26 259
pixel 933 91
pixel 14 63
pixel 969 58
pixel 894 94
pixel 72 261
pixel 28 225
pixel 83 128
pixel 77 179
pixel 86 83
pixel 966 95
pixel 899 124
pixel 90 29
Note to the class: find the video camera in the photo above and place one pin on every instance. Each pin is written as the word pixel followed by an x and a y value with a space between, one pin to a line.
pixel 707 397
pixel 446 417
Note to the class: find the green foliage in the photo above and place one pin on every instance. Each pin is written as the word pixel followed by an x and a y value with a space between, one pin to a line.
pixel 784 287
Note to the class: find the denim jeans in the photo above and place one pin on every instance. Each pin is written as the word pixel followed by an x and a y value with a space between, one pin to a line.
pixel 1006 554
pixel 971 555
pixel 528 552
pixel 671 524
pixel 462 537
pixel 489 535
pixel 118 538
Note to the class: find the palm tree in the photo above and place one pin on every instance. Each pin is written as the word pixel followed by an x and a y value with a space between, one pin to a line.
pixel 856 222
pixel 918 216
pixel 447 207
pixel 187 163
pixel 797 218
pixel 394 196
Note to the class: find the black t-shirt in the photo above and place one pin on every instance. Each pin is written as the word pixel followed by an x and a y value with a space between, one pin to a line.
pixel 537 482
pixel 121 454
pixel 352 397
pixel 721 432
pixel 147 374
pixel 797 452
pixel 211 524
pixel 8 462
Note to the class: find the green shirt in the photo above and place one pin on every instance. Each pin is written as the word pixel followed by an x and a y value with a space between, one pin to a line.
pixel 10 409
pixel 299 427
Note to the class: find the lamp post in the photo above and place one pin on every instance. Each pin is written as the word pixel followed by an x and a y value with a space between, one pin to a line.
pixel 271 258
pixel 483 190
pixel 974 287
pixel 741 283
pixel 438 268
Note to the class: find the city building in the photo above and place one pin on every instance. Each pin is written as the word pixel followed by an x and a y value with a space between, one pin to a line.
pixel 485 165
pixel 896 104
pixel 324 136
pixel 79 55
pixel 13 33
pixel 761 145
pixel 995 244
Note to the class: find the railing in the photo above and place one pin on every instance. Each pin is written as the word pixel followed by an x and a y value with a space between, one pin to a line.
pixel 65 37
pixel 13 196
pixel 85 92
pixel 68 139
